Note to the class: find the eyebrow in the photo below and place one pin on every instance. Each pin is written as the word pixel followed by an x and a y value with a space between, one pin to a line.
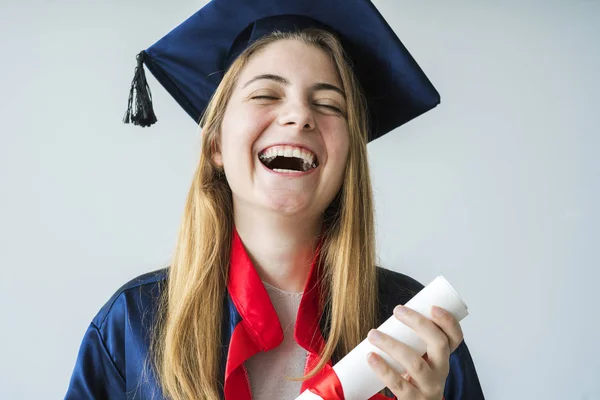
pixel 283 81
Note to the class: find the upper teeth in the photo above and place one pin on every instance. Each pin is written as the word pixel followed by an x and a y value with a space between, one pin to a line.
pixel 289 151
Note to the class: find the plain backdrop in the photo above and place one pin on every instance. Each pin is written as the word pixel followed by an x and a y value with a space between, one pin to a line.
pixel 497 189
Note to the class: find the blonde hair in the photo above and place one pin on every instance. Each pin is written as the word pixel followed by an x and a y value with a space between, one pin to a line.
pixel 186 346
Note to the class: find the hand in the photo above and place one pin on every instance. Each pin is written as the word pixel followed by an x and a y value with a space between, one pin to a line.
pixel 425 376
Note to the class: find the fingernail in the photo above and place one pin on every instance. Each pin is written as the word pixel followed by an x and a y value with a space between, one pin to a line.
pixel 372 358
pixel 437 311
pixel 400 311
pixel 374 336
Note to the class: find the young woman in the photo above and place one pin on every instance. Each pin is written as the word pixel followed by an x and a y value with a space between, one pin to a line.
pixel 274 273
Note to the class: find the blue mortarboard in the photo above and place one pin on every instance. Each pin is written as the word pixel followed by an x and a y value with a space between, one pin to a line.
pixel 191 60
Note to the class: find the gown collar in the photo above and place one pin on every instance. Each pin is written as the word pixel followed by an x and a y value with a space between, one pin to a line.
pixel 258 314
pixel 259 328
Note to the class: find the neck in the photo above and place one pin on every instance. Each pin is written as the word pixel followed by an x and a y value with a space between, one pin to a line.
pixel 280 247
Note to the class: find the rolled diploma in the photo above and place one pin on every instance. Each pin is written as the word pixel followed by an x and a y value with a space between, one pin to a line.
pixel 358 380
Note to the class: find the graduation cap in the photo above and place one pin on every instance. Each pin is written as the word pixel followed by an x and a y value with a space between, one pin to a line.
pixel 191 60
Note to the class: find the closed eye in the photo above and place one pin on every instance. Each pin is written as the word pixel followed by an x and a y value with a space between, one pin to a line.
pixel 264 97
pixel 330 107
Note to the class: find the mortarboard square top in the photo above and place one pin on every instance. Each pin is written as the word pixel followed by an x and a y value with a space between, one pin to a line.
pixel 191 60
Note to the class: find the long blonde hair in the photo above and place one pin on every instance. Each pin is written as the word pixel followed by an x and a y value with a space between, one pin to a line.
pixel 186 346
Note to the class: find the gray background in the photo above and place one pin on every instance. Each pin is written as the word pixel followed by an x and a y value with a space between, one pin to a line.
pixel 497 189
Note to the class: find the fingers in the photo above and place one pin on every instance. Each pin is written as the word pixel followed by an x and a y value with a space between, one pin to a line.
pixel 449 325
pixel 393 380
pixel 442 335
pixel 415 365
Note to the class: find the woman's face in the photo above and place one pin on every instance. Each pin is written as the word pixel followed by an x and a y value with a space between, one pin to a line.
pixel 284 136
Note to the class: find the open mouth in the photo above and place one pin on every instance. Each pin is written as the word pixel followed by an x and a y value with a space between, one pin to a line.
pixel 288 159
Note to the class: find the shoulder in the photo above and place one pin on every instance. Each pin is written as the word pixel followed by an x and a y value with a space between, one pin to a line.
pixel 394 288
pixel 114 348
pixel 391 281
pixel 140 292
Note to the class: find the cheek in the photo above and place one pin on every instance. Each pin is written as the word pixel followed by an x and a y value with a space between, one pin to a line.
pixel 239 131
pixel 338 146
pixel 244 126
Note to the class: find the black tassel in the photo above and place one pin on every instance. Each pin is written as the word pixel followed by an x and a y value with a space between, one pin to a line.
pixel 143 115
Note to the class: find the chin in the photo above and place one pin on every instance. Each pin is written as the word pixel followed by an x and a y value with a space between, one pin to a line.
pixel 288 204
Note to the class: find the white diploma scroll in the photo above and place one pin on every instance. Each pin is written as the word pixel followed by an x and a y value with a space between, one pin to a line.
pixel 358 380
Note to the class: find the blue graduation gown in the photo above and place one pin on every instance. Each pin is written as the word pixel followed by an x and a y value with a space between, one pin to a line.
pixel 113 358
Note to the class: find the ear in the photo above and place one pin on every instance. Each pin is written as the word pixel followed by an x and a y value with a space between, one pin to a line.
pixel 217 159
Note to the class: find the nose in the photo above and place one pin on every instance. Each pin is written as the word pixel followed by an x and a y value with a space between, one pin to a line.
pixel 297 114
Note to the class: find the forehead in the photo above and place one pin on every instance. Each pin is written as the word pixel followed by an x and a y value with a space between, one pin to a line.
pixel 296 61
